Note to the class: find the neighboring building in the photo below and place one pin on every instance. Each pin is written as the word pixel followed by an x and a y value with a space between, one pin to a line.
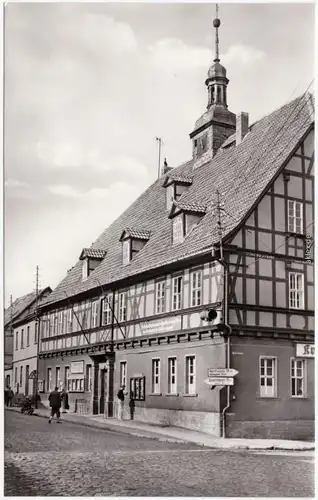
pixel 130 310
pixel 25 346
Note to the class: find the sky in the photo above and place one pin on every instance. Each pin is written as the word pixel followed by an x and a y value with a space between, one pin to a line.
pixel 88 88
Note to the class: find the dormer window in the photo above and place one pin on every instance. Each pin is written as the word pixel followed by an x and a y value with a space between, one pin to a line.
pixel 175 186
pixel 178 230
pixel 185 216
pixel 133 240
pixel 91 258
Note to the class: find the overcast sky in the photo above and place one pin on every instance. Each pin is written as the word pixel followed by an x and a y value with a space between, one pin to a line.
pixel 88 87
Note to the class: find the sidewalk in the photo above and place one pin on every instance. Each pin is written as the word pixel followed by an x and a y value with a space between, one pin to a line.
pixel 175 434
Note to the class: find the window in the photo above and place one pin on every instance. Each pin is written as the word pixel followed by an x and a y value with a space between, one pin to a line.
pixel 295 216
pixel 16 375
pixel 190 375
pixel 137 388
pixel 70 321
pixel 76 385
pixel 176 293
pixel 107 312
pixel 160 297
pixel 126 252
pixel 296 290
pixel 85 268
pixel 55 323
pixel 268 377
pixel 28 336
pixel 123 373
pixel 297 377
pixel 177 229
pixel 94 314
pixel 122 307
pixel 61 322
pixel 21 375
pixel 169 196
pixel 172 375
pixel 49 379
pixel 22 339
pixel 196 288
pixel 155 385
pixel 67 382
pixel 89 379
pixel 36 332
pixel 58 377
pixel 16 341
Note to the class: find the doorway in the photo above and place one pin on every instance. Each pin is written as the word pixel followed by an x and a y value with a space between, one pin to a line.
pixel 103 390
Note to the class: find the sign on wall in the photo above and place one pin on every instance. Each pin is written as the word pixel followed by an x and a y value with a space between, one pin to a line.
pixel 305 350
pixel 77 367
pixel 161 326
pixel 222 372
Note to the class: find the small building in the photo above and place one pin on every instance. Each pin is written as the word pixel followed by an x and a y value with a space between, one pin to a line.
pixel 199 298
pixel 25 348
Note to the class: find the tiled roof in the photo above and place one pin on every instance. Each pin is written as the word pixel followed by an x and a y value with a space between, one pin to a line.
pixel 18 307
pixel 139 234
pixel 27 308
pixel 93 253
pixel 189 207
pixel 182 179
pixel 240 173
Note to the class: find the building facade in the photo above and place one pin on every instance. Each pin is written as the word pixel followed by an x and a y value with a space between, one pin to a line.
pixel 210 269
pixel 25 347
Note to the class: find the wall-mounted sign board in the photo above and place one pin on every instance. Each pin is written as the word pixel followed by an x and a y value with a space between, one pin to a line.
pixel 222 372
pixel 305 350
pixel 219 381
pixel 77 367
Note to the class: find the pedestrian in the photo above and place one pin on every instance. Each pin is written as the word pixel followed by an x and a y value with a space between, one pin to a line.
pixel 6 396
pixel 55 404
pixel 64 398
pixel 121 400
pixel 132 408
pixel 10 396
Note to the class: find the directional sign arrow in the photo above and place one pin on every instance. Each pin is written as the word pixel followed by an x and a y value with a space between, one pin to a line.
pixel 219 381
pixel 222 372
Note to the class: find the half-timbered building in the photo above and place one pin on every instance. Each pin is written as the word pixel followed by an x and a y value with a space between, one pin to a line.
pixel 210 268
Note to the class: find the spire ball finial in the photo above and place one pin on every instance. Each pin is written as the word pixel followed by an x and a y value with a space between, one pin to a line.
pixel 216 23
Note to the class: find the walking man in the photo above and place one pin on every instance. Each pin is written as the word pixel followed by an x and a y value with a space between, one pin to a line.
pixel 10 396
pixel 55 404
pixel 121 400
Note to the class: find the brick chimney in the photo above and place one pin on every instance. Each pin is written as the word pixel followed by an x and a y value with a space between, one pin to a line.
pixel 241 127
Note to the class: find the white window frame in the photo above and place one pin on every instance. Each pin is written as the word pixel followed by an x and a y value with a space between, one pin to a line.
pixel 122 307
pixel 94 313
pixel 295 220
pixel 196 288
pixel 172 372
pixel 22 339
pixel 89 378
pixel 58 377
pixel 126 252
pixel 295 376
pixel 170 196
pixel 107 312
pixel 160 296
pixel 17 340
pixel 70 321
pixel 190 372
pixel 123 373
pixel 296 292
pixel 268 391
pixel 49 379
pixel 61 322
pixel 85 269
pixel 155 376
pixel 67 380
pixel 177 229
pixel 177 296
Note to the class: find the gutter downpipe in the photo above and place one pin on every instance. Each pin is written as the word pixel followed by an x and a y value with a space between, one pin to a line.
pixel 229 331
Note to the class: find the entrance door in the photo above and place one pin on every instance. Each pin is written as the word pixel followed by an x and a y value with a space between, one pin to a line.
pixel 103 391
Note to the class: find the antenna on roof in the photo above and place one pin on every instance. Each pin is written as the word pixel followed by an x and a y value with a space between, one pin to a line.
pixel 37 334
pixel 160 143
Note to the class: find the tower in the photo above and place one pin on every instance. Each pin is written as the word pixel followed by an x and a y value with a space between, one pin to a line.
pixel 217 123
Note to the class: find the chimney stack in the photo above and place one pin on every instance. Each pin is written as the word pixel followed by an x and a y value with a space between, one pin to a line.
pixel 241 126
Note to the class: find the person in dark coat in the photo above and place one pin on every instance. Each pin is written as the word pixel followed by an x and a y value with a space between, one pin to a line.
pixel 132 408
pixel 55 404
pixel 6 396
pixel 64 398
pixel 10 396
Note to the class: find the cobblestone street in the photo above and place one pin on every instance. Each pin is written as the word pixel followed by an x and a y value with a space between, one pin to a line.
pixel 72 460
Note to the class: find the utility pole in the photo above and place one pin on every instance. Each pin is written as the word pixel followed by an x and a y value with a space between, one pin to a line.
pixel 160 143
pixel 37 329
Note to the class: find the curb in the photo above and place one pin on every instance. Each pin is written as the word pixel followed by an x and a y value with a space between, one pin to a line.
pixel 168 439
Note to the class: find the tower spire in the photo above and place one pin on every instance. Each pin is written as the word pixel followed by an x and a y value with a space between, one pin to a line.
pixel 216 24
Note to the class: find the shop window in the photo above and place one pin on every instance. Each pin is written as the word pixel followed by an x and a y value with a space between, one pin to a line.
pixel 58 377
pixel 172 375
pixel 297 377
pixel 137 388
pixel 49 379
pixel 67 381
pixel 77 385
pixel 155 385
pixel 190 375
pixel 89 379
pixel 268 378
pixel 123 373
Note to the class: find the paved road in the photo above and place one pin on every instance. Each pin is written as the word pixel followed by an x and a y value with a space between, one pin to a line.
pixel 72 460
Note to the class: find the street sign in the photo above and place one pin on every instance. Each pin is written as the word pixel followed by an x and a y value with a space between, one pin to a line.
pixel 222 372
pixel 219 381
